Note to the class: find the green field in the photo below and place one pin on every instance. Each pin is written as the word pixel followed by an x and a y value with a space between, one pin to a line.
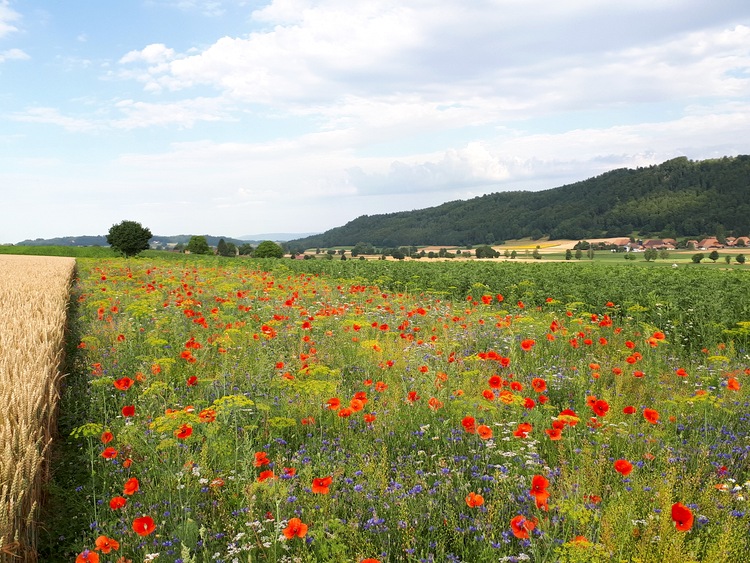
pixel 403 411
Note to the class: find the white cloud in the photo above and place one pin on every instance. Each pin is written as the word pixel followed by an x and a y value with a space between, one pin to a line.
pixel 7 17
pixel 13 55
pixel 47 115
pixel 184 113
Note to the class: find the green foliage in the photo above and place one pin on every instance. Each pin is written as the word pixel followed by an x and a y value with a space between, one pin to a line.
pixel 486 251
pixel 678 197
pixel 129 238
pixel 696 258
pixel 268 249
pixel 740 258
pixel 713 256
pixel 650 254
pixel 198 245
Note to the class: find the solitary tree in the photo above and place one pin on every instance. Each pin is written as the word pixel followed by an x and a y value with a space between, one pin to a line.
pixel 129 238
pixel 713 256
pixel 268 249
pixel 198 245
pixel 696 258
pixel 740 258
pixel 650 254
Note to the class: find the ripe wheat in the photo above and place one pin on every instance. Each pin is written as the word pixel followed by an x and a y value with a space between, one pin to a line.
pixel 33 301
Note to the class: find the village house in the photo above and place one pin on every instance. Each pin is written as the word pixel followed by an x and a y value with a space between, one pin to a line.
pixel 709 243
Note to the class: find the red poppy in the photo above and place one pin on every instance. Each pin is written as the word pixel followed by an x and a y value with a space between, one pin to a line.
pixel 345 412
pixel 623 467
pixel 333 403
pixel 473 500
pixel 539 484
pixel 107 437
pixel 131 486
pixel 539 385
pixel 601 407
pixel 527 344
pixel 569 417
pixel 488 394
pixel 521 526
pixel 485 432
pixel 87 556
pixel 469 424
pixel 495 381
pixel 109 453
pixel 682 516
pixel 123 384
pixel 370 560
pixel 184 431
pixel 554 433
pixel 369 418
pixel 261 458
pixel 320 485
pixel 629 410
pixel 522 430
pixel 435 403
pixel 733 384
pixel 192 381
pixel 105 544
pixel 128 410
pixel 412 396
pixel 681 372
pixel 380 387
pixel 265 475
pixel 117 502
pixel 516 386
pixel 295 529
pixel 651 415
pixel 144 525
pixel 529 403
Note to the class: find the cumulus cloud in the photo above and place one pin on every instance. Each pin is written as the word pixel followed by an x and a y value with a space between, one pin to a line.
pixel 7 17
pixel 13 55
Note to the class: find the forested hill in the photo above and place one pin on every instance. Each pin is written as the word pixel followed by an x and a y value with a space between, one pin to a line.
pixel 677 198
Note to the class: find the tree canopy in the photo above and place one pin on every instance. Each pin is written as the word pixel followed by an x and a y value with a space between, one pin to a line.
pixel 129 238
pixel 198 245
pixel 268 249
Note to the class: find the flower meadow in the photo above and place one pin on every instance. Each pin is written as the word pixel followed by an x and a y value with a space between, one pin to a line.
pixel 241 411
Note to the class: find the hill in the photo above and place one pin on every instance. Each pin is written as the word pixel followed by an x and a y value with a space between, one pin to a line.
pixel 101 240
pixel 677 198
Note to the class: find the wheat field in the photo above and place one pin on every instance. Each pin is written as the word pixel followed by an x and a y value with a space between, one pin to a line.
pixel 33 302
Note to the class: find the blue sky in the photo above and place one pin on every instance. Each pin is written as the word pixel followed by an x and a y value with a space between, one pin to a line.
pixel 231 117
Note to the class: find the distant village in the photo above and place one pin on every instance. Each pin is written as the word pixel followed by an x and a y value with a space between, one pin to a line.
pixel 710 243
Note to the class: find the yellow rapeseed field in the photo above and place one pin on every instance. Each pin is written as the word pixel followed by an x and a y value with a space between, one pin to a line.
pixel 33 301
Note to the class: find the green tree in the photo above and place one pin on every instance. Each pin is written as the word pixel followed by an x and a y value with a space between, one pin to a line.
pixel 696 258
pixel 650 254
pixel 513 254
pixel 714 256
pixel 268 249
pixel 727 259
pixel 246 249
pixel 579 253
pixel 568 254
pixel 198 245
pixel 664 254
pixel 740 258
pixel 224 249
pixel 536 254
pixel 128 238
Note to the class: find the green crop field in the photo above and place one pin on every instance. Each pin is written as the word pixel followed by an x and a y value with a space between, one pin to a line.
pixel 278 410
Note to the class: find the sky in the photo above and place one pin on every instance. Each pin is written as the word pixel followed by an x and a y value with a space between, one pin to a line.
pixel 236 117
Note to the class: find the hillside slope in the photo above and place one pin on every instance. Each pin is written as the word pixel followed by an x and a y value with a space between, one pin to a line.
pixel 679 197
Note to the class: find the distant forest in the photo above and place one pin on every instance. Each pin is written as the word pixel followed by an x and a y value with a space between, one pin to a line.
pixel 678 198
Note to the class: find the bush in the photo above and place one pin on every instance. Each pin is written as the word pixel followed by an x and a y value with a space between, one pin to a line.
pixel 129 238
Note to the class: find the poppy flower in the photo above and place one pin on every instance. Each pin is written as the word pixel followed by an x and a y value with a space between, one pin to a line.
pixel 370 560
pixel 128 410
pixel 144 525
pixel 521 526
pixel 516 386
pixel 682 516
pixel 369 418
pixel 495 381
pixel 629 410
pixel 207 415
pixel 105 544
pixel 539 484
pixel 320 485
pixel 522 430
pixel 295 529
pixel 123 384
pixel 117 502
pixel 266 475
pixel 412 396
pixel 261 458
pixel 434 403
pixel 488 395
pixel 569 417
pixel 333 404
pixel 469 424
pixel 356 404
pixel 131 486
pixel 192 381
pixel 680 372
pixel 539 385
pixel 527 344
pixel 529 403
pixel 733 384
pixel 601 407
pixel 345 412
pixel 183 431
pixel 87 556
pixel 473 500
pixel 109 453
pixel 485 432
pixel 651 415
pixel 107 437
pixel 554 433
pixel 380 387
pixel 623 467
